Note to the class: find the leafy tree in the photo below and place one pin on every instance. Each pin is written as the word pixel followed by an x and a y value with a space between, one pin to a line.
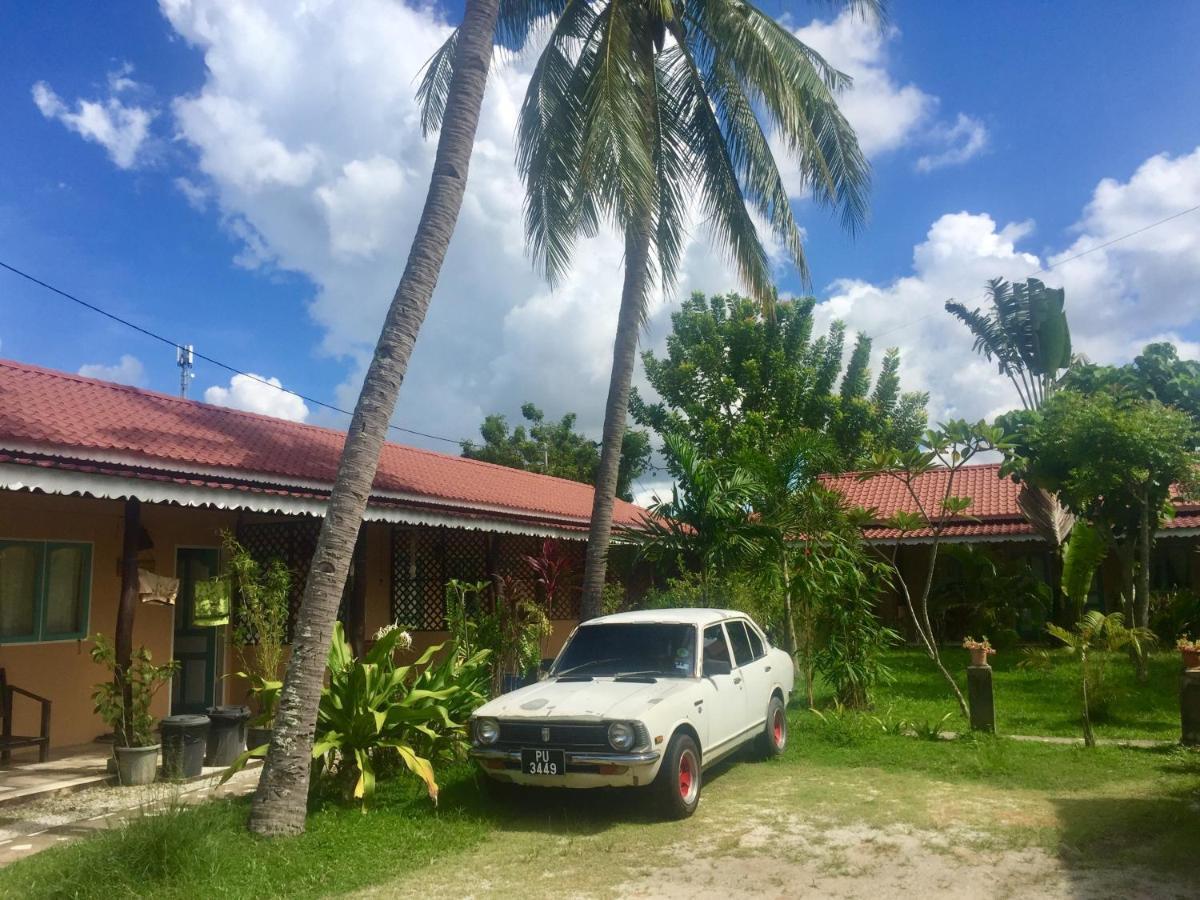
pixel 940 458
pixel 1111 458
pixel 737 382
pixel 556 448
pixel 1026 333
pixel 1156 374
pixel 634 111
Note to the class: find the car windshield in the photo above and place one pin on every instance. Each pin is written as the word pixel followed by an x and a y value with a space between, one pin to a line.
pixel 626 648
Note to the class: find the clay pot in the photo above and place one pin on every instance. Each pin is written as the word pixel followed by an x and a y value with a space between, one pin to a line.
pixel 979 656
pixel 1191 659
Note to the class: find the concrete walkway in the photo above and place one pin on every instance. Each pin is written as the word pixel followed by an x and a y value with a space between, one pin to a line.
pixel 68 769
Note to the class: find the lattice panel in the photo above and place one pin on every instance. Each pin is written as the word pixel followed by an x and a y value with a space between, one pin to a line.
pixel 510 561
pixel 293 542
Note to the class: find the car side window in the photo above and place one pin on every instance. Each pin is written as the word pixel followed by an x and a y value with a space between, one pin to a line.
pixel 741 643
pixel 715 648
pixel 756 642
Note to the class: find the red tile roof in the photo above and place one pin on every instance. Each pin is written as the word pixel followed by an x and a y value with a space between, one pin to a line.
pixel 993 513
pixel 67 418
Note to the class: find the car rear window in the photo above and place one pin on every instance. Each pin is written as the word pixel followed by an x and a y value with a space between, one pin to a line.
pixel 741 644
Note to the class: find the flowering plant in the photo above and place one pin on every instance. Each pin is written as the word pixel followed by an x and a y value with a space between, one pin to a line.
pixel 969 643
pixel 403 642
pixel 1187 644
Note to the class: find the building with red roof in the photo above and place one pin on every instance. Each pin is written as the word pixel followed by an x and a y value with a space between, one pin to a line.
pixel 75 452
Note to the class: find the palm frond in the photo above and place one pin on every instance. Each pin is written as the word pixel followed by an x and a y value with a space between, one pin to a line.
pixel 434 88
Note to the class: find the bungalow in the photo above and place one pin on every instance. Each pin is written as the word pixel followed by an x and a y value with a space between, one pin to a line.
pixel 994 522
pixel 84 461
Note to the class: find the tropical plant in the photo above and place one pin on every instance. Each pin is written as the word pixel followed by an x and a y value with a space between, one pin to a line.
pixel 123 701
pixel 495 618
pixel 1082 555
pixel 930 729
pixel 1092 642
pixel 453 94
pixel 370 709
pixel 740 383
pixel 977 590
pixel 636 109
pixel 556 448
pixel 944 452
pixel 259 623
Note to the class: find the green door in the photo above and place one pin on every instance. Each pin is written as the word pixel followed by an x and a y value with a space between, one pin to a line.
pixel 195 648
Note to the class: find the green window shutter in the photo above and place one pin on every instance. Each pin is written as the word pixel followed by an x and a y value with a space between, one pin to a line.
pixel 67 591
pixel 20 590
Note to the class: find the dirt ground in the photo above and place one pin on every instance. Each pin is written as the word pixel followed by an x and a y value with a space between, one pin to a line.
pixel 793 836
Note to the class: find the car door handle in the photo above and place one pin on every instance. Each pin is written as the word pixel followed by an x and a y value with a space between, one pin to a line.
pixel 767 669
pixel 737 680
pixel 698 703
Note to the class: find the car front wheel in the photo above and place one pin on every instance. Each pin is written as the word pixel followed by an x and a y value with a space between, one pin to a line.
pixel 773 740
pixel 677 784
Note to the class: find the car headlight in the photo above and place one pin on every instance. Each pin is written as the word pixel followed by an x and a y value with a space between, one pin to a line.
pixel 487 731
pixel 621 735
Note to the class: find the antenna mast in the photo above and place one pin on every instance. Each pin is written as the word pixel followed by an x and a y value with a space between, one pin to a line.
pixel 185 358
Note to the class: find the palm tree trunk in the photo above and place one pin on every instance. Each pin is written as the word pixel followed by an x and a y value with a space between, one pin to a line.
pixel 281 800
pixel 629 324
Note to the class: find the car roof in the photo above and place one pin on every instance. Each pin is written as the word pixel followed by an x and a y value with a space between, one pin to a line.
pixel 687 616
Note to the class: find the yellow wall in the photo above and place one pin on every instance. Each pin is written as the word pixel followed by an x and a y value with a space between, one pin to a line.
pixel 64 672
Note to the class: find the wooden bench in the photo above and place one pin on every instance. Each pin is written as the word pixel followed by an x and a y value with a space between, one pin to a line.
pixel 10 741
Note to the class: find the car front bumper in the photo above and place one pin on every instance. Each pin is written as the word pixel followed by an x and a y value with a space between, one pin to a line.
pixel 584 769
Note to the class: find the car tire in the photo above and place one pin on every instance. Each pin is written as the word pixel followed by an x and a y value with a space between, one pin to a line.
pixel 677 785
pixel 773 740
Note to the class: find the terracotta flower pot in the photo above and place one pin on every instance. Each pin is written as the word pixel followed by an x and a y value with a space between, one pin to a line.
pixel 1191 659
pixel 979 656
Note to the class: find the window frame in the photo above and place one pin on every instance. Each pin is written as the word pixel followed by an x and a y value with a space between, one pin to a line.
pixel 753 634
pixel 41 635
pixel 751 658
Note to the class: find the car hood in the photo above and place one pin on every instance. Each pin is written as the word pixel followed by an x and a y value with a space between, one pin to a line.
pixel 601 698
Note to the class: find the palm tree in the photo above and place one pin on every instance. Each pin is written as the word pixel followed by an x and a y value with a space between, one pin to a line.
pixel 281 799
pixel 637 109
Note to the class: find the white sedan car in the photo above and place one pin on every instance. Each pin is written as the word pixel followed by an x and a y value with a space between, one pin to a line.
pixel 645 699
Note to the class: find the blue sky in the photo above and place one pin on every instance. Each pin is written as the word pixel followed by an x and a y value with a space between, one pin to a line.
pixel 266 210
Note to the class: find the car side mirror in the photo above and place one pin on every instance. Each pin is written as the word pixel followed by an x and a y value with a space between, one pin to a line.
pixel 713 667
pixel 544 667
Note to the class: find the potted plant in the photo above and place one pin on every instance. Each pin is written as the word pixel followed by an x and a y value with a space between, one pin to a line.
pixel 1190 650
pixel 123 702
pixel 260 627
pixel 980 650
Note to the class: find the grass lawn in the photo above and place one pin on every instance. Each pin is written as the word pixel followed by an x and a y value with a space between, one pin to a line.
pixel 1037 702
pixel 1124 813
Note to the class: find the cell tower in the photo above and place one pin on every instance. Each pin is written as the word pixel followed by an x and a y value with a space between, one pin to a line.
pixel 185 358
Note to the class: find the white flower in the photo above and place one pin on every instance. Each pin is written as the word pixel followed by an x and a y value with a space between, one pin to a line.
pixel 403 642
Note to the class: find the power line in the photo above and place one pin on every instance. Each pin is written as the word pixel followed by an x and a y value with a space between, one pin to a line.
pixel 1061 262
pixel 208 359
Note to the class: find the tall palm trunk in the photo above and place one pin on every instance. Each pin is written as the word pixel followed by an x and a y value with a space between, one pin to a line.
pixel 629 324
pixel 281 800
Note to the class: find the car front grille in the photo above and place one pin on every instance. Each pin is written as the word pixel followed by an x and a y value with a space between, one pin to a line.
pixel 590 736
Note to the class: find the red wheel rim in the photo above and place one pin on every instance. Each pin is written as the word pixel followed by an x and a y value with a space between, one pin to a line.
pixel 689 777
pixel 779 728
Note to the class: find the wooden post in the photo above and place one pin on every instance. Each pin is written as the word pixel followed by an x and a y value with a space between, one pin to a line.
pixel 128 604
pixel 981 699
pixel 1189 707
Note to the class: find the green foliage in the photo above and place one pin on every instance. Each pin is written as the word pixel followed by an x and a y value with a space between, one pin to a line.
pixel 1082 555
pixel 930 730
pixel 1173 613
pixel 1093 641
pixel 979 591
pixel 123 701
pixel 1157 373
pixel 739 383
pixel 495 618
pixel 1026 333
pixel 556 448
pixel 260 623
pixel 371 707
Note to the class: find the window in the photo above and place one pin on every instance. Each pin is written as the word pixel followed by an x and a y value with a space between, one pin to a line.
pixel 715 648
pixel 741 644
pixel 756 641
pixel 44 590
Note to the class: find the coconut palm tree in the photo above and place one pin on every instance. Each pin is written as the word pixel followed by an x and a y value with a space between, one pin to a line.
pixel 636 111
pixel 281 799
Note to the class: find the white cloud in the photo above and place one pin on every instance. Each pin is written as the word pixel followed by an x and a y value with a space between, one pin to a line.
pixel 1119 298
pixel 121 129
pixel 964 140
pixel 249 393
pixel 129 370
pixel 196 195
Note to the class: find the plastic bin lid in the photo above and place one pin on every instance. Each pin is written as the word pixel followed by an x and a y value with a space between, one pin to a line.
pixel 185 721
pixel 229 712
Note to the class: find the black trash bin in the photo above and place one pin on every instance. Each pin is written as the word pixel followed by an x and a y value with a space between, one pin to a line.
pixel 184 739
pixel 227 735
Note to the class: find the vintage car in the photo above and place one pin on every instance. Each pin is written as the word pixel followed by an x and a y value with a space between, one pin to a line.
pixel 641 699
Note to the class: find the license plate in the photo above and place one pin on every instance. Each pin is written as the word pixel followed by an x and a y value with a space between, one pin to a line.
pixel 543 762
